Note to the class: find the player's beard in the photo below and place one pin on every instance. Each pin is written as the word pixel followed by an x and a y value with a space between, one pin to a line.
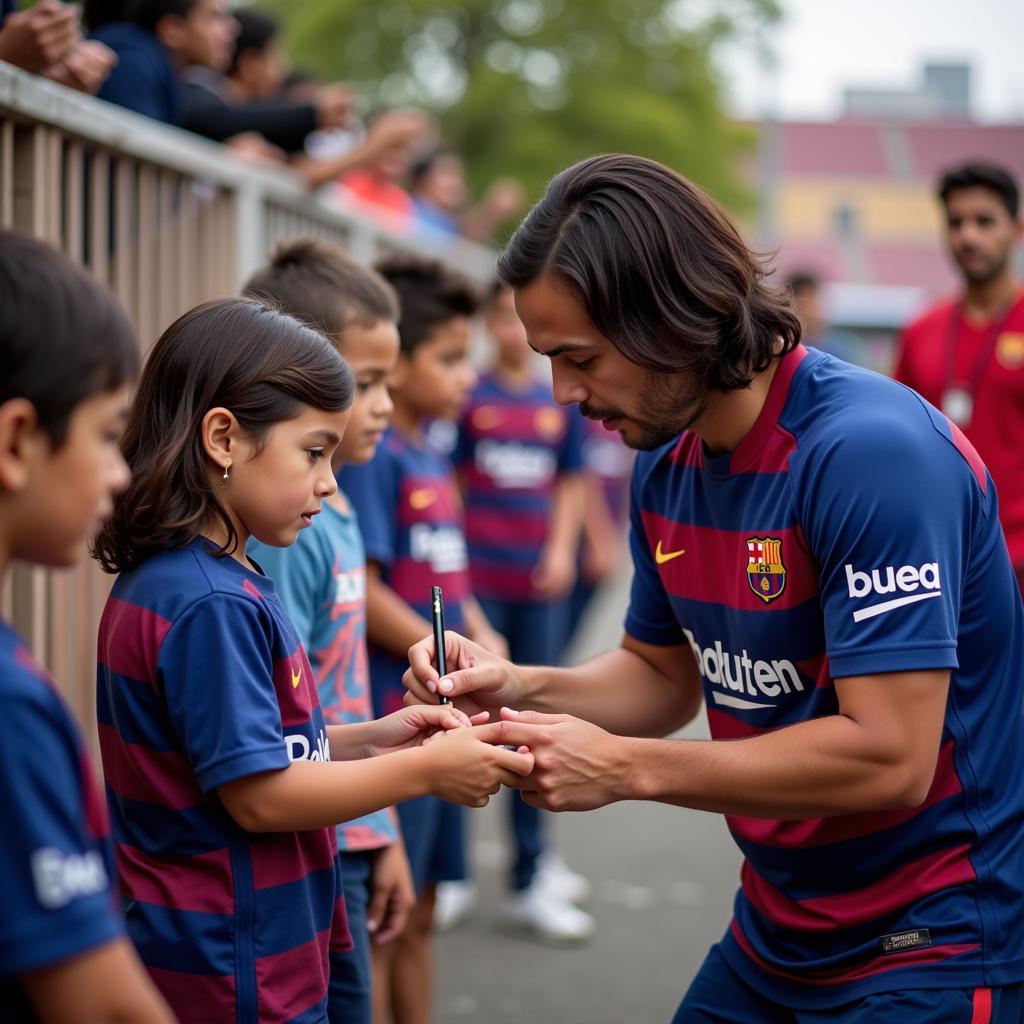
pixel 667 409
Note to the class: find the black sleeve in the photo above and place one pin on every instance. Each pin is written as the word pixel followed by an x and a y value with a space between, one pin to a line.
pixel 285 125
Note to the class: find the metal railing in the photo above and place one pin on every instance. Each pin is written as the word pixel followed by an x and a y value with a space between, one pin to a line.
pixel 165 219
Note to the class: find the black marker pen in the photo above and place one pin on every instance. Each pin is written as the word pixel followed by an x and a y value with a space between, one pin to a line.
pixel 437 616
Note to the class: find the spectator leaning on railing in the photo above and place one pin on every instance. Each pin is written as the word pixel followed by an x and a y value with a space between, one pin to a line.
pixel 47 39
pixel 154 42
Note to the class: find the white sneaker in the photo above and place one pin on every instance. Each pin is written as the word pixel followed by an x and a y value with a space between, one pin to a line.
pixel 540 912
pixel 453 904
pixel 558 878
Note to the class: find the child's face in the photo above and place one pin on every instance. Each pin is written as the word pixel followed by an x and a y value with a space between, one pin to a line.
pixel 371 352
pixel 507 330
pixel 435 381
pixel 275 491
pixel 68 494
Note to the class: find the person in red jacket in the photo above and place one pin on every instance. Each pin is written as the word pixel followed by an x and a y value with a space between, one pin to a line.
pixel 966 354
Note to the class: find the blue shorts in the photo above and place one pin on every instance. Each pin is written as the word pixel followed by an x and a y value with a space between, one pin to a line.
pixel 719 995
pixel 434 840
pixel 350 994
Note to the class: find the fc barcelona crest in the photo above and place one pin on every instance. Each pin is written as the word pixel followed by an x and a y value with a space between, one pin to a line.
pixel 766 573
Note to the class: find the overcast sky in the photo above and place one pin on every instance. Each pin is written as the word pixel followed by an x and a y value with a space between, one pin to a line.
pixel 824 45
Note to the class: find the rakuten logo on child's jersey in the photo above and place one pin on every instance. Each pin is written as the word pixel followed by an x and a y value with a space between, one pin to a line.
pixel 918 583
pixel 444 547
pixel 300 749
pixel 510 464
pixel 350 587
pixel 739 673
pixel 59 878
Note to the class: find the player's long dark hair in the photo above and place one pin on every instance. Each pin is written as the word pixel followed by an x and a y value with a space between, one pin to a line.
pixel 659 268
pixel 259 363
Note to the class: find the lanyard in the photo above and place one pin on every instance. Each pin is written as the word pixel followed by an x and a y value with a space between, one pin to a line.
pixel 985 352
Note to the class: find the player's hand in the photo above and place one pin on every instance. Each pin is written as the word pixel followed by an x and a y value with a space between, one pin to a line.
pixel 40 37
pixel 476 679
pixel 391 893
pixel 467 766
pixel 411 726
pixel 554 575
pixel 577 765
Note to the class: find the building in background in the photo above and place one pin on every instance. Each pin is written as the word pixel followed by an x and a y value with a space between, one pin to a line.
pixel 852 200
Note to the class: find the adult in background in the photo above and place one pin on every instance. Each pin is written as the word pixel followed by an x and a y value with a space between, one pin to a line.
pixel 817 554
pixel 966 354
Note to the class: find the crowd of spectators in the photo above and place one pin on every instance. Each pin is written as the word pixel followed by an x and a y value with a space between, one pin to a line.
pixel 222 73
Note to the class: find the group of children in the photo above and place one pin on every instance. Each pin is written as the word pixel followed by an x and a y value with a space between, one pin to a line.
pixel 276 518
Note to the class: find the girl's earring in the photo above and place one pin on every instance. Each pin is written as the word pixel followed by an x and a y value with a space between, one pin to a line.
pixel 224 478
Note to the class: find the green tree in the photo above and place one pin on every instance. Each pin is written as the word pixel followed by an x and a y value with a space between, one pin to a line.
pixel 526 87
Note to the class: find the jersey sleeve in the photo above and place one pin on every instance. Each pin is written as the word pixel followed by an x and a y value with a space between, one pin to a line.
pixel 650 618
pixel 216 666
pixel 888 510
pixel 570 455
pixel 373 490
pixel 302 576
pixel 57 900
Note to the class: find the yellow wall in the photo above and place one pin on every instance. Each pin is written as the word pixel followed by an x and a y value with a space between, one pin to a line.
pixel 885 211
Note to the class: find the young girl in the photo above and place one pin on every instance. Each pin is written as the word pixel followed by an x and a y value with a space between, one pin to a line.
pixel 222 776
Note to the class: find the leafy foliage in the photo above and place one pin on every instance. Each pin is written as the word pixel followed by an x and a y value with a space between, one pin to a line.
pixel 526 87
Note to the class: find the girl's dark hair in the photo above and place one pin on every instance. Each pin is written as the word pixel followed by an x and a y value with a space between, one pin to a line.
pixel 63 337
pixel 659 268
pixel 429 294
pixel 259 363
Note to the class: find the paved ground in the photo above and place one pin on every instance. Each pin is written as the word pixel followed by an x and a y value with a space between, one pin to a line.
pixel 663 880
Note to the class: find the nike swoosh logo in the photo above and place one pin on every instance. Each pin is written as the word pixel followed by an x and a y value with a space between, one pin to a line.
pixel 422 498
pixel 887 606
pixel 296 676
pixel 661 557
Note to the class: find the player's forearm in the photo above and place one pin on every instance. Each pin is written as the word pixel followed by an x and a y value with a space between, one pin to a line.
pixel 824 767
pixel 390 622
pixel 617 690
pixel 314 794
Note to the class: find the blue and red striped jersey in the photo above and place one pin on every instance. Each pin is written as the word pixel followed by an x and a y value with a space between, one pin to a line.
pixel 853 532
pixel 56 865
pixel 202 681
pixel 410 516
pixel 513 448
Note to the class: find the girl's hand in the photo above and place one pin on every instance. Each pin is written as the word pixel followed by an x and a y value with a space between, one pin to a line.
pixel 410 726
pixel 468 766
